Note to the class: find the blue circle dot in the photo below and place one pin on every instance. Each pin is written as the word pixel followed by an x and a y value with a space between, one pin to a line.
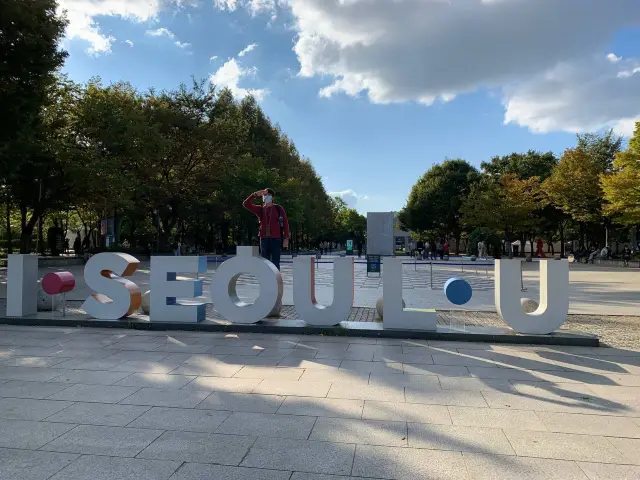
pixel 458 291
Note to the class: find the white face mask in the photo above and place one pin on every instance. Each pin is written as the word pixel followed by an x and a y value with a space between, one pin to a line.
pixel 267 199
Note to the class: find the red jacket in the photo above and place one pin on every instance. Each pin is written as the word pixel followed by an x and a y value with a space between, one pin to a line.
pixel 268 216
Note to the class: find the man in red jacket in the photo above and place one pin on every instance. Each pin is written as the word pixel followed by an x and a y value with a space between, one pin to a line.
pixel 274 226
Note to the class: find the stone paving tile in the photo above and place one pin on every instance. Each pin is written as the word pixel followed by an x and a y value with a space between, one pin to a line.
pixel 497 418
pixel 38 390
pixel 357 391
pixel 465 360
pixel 608 426
pixel 32 374
pixel 432 396
pixel 299 389
pixel 379 368
pixel 313 476
pixel 31 361
pixel 440 370
pixel 271 373
pixel 550 403
pixel 335 376
pixel 301 456
pixel 242 402
pixel 267 424
pixel 98 414
pixel 188 420
pixel 101 440
pixel 210 370
pixel 459 438
pixel 166 397
pixel 29 434
pixel 406 412
pixel 85 364
pixel 545 389
pixel 94 393
pixel 476 384
pixel 399 463
pixel 29 409
pixel 315 363
pixel 399 381
pixel 367 432
pixel 147 366
pixel 564 446
pixel 199 471
pixel 255 360
pixel 156 380
pixel 630 448
pixel 607 471
pixel 199 447
pixel 91 377
pixel 125 356
pixel 114 468
pixel 219 384
pixel 30 465
pixel 500 467
pixel 321 407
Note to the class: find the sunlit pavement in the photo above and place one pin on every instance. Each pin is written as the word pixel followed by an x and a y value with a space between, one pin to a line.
pixel 119 404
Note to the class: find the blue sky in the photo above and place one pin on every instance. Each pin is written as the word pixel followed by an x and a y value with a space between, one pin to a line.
pixel 399 105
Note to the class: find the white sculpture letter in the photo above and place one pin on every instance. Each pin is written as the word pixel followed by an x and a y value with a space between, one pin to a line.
pixel 22 285
pixel 304 292
pixel 554 296
pixel 166 289
pixel 394 316
pixel 223 287
pixel 116 296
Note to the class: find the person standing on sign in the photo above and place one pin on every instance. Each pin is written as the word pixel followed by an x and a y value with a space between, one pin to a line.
pixel 274 226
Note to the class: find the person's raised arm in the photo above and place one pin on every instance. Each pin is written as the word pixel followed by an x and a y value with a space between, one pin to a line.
pixel 252 207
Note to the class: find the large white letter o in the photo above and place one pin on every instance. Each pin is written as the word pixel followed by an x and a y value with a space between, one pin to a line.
pixel 223 287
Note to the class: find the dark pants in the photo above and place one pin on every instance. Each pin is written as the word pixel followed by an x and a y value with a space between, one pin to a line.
pixel 270 249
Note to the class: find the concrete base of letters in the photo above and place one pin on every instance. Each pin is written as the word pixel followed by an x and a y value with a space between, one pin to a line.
pixel 460 333
pixel 275 313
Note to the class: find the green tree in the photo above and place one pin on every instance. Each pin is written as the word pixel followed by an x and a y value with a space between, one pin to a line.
pixel 29 59
pixel 622 186
pixel 602 147
pixel 525 165
pixel 574 187
pixel 435 200
pixel 507 205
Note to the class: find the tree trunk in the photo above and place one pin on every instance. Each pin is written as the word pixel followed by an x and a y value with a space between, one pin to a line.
pixel 9 238
pixel 458 234
pixel 582 235
pixel 561 227
pixel 41 245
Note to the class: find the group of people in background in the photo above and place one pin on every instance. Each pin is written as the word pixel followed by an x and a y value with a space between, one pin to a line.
pixel 432 250
pixel 590 255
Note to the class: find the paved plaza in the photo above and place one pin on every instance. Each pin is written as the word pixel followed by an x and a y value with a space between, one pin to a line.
pixel 594 290
pixel 109 404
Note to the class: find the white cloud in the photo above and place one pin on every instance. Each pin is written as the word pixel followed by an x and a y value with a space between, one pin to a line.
pixel 82 16
pixel 231 73
pixel 164 32
pixel 213 58
pixel 578 97
pixel 161 32
pixel 613 58
pixel 247 49
pixel 253 6
pixel 434 50
pixel 129 42
pixel 349 196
